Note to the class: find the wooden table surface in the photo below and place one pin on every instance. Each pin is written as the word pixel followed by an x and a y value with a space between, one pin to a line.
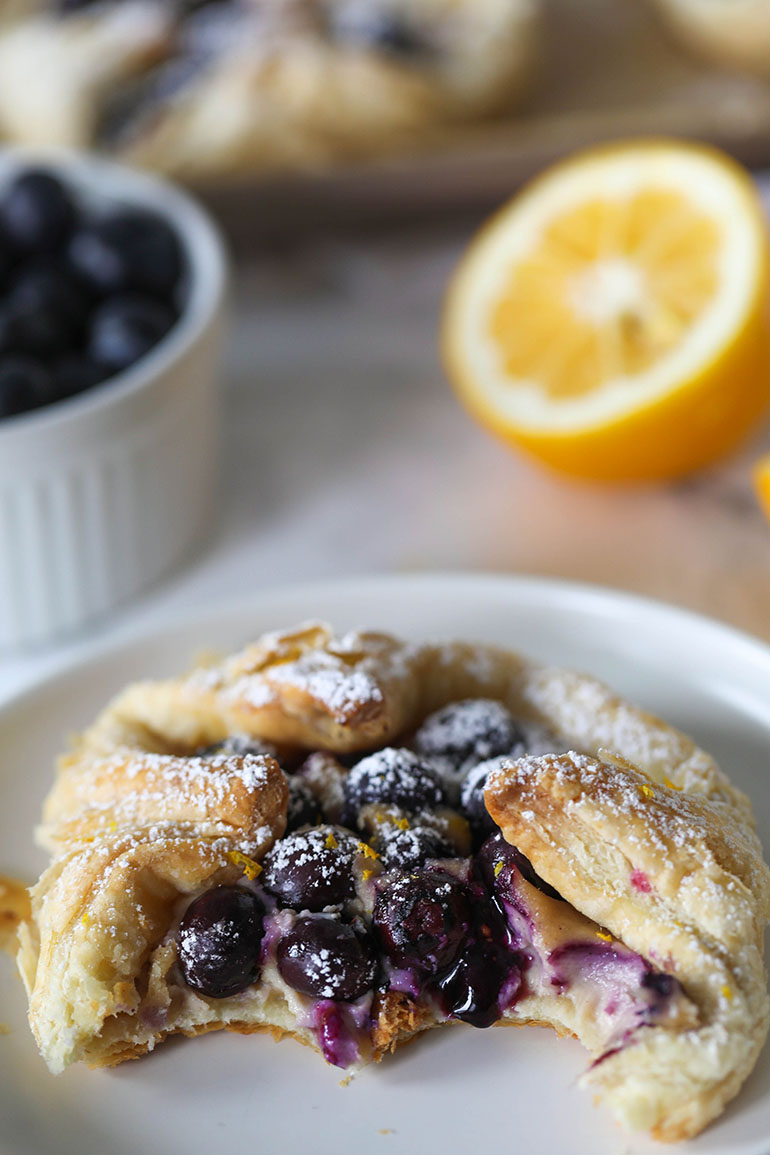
pixel 346 453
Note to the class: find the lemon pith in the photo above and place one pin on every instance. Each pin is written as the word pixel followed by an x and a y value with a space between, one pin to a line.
pixel 613 318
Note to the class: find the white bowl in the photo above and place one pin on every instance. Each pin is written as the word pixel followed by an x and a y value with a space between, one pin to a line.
pixel 104 492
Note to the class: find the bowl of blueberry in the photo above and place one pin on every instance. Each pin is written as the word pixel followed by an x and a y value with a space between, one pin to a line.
pixel 112 287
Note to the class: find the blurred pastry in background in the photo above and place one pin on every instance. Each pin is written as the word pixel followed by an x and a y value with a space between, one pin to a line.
pixel 225 86
pixel 735 32
pixel 59 64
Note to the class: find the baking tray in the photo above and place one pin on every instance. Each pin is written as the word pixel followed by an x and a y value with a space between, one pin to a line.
pixel 609 69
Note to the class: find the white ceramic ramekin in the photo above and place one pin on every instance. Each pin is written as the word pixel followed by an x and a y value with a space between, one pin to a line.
pixel 104 492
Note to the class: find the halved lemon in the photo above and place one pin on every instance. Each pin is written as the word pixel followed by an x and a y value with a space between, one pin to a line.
pixel 762 483
pixel 614 318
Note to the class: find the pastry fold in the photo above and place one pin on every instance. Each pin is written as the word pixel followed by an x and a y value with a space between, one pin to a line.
pixel 304 687
pixel 678 878
pixel 134 838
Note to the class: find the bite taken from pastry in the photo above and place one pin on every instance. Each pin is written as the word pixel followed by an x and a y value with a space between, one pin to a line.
pixel 348 840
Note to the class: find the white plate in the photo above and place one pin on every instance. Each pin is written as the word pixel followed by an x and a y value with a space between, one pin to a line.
pixel 453 1091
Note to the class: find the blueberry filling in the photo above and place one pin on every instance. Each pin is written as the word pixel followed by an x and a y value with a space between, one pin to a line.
pixel 481 979
pixel 336 1033
pixel 499 862
pixel 340 921
pixel 369 26
pixel 486 977
pixel 205 31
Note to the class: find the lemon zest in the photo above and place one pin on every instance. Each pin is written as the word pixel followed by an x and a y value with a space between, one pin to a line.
pixel 331 841
pixel 401 823
pixel 647 791
pixel 367 874
pixel 250 868
pixel 602 934
pixel 498 868
pixel 367 851
pixel 728 994
pixel 671 785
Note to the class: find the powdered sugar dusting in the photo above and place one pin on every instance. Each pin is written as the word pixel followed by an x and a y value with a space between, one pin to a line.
pixel 685 845
pixel 347 677
pixel 222 790
pixel 329 851
pixel 343 692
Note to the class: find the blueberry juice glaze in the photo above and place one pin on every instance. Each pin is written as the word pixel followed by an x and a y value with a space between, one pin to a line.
pixel 563 953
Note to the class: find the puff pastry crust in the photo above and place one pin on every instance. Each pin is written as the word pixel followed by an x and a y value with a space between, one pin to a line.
pixel 678 877
pixel 641 832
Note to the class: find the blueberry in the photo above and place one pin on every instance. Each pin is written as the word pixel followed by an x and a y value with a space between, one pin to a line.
pixel 662 985
pixel 472 730
pixel 124 329
pixel 303 808
pixel 421 920
pixel 24 384
pixel 66 6
pixel 132 251
pixel 73 374
pixel 472 798
pixel 312 869
pixel 396 778
pixel 218 941
pixel 7 256
pixel 473 988
pixel 327 959
pixel 408 848
pixel 498 863
pixel 37 211
pixel 44 313
pixel 239 744
pixel 45 285
pixel 365 27
pixel 189 7
pixel 324 776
